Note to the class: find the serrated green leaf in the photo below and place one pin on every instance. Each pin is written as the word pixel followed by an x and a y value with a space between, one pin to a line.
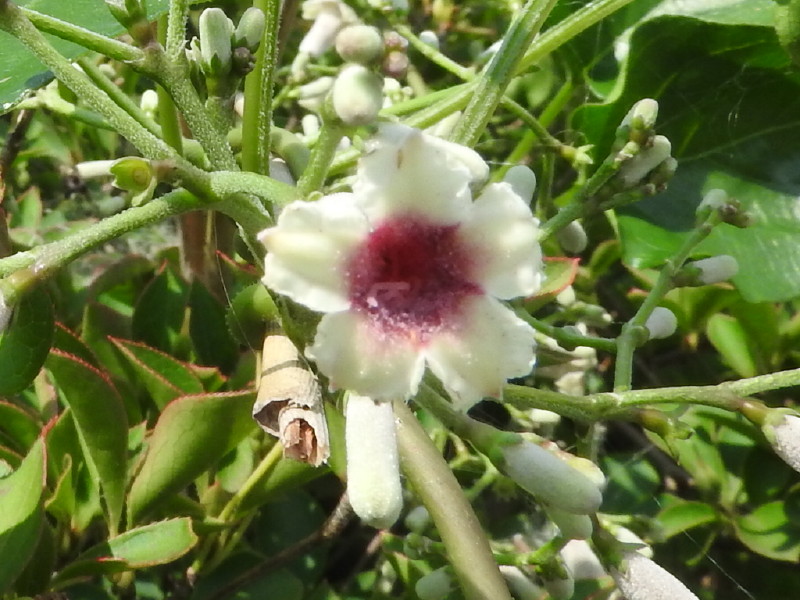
pixel 101 422
pixel 21 514
pixel 67 341
pixel 18 425
pixel 164 377
pixel 25 342
pixel 769 531
pixel 191 435
pixel 209 330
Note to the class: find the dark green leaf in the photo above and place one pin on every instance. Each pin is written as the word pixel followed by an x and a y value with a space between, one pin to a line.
pixel 160 311
pixel 769 531
pixel 209 331
pixel 18 425
pixel 21 514
pixel 101 422
pixel 192 434
pixel 25 342
pixel 164 377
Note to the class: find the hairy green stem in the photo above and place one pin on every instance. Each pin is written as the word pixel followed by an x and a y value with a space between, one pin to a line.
pixel 628 339
pixel 176 28
pixel 257 117
pixel 167 113
pixel 17 24
pixel 494 80
pixel 459 528
pixel 83 37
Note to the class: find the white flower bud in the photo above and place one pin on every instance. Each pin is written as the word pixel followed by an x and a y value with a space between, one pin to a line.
pixel 373 465
pixel 639 578
pixel 436 585
pixel 550 478
pixel 519 584
pixel 5 313
pixel 311 95
pixel 716 268
pixel 149 103
pixel 522 180
pixel 357 95
pixel 250 29
pixel 329 17
pixel 635 169
pixel 581 560
pixel 714 199
pixel 643 114
pixel 785 439
pixel 216 30
pixel 430 38
pixel 361 44
pixel 573 238
pixel 91 169
pixel 661 323
pixel 571 526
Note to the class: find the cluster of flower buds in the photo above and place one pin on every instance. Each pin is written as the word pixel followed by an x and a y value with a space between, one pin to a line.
pixel 225 53
pixel 643 159
pixel 729 209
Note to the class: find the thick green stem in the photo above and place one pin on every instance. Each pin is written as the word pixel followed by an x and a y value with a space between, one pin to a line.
pixel 83 37
pixel 14 22
pixel 176 28
pixel 459 528
pixel 47 258
pixel 321 158
pixel 257 117
pixel 167 113
pixel 494 80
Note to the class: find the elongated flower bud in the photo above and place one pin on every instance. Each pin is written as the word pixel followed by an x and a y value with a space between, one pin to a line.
pixel 519 584
pixel 784 435
pixel 639 578
pixel 435 585
pixel 216 30
pixel 551 479
pixel 573 238
pixel 250 29
pixel 661 323
pixel 716 268
pixel 571 526
pixel 636 169
pixel 522 180
pixel 373 465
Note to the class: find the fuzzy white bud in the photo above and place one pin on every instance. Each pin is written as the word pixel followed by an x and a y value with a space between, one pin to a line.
pixel 522 180
pixel 373 465
pixel 716 268
pixel 714 199
pixel 581 560
pixel 430 38
pixel 216 30
pixel 418 519
pixel 329 17
pixel 639 578
pixel 573 238
pixel 360 44
pixel 550 478
pixel 661 323
pixel 635 169
pixel 312 95
pixel 149 103
pixel 357 95
pixel 785 439
pixel 571 526
pixel 519 584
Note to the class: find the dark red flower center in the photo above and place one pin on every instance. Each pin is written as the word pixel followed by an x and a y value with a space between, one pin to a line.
pixel 411 276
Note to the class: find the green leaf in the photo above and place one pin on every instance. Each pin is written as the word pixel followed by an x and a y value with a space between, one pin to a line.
pixel 682 516
pixel 25 342
pixel 21 514
pixel 729 338
pixel 18 425
pixel 160 310
pixel 209 330
pixel 559 272
pixel 769 531
pixel 632 483
pixel 192 434
pixel 164 377
pixel 22 71
pixel 67 341
pixel 153 544
pixel 101 422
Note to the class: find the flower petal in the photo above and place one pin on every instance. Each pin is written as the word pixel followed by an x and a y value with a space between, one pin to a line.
pixel 357 357
pixel 408 171
pixel 309 248
pixel 503 233
pixel 475 361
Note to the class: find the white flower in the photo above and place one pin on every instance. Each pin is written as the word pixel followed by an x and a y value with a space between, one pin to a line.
pixel 373 464
pixel 329 17
pixel 785 439
pixel 642 579
pixel 412 271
